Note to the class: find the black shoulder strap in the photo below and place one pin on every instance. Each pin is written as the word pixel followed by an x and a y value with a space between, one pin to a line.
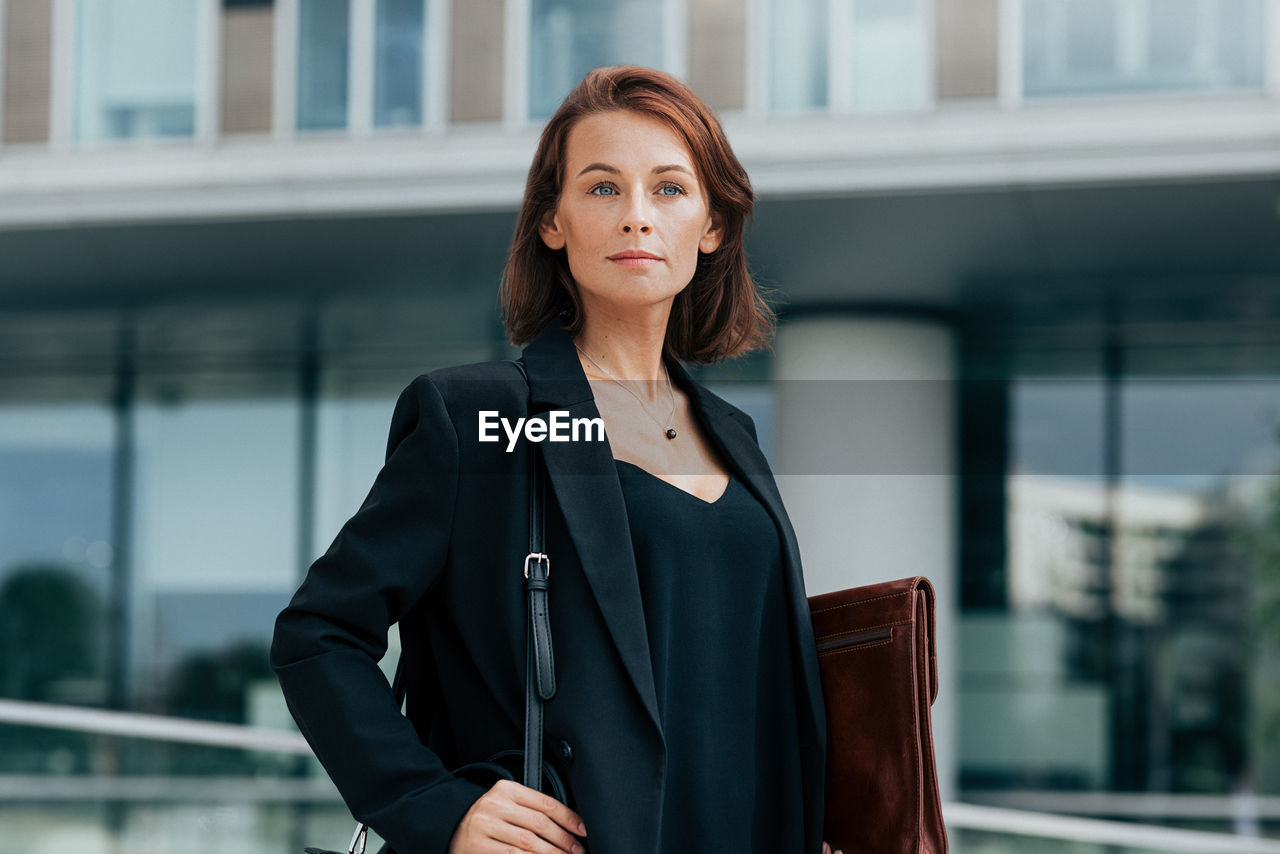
pixel 540 672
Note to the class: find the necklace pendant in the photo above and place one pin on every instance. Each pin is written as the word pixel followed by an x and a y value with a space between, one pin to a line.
pixel 671 432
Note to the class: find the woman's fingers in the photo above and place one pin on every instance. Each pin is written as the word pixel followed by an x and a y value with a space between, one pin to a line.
pixel 516 817
pixel 549 806
pixel 826 849
pixel 529 822
pixel 513 835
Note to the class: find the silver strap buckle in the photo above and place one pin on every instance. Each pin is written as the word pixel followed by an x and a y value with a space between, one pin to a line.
pixel 357 841
pixel 540 558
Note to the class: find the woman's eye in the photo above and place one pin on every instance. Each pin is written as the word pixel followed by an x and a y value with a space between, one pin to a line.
pixel 610 190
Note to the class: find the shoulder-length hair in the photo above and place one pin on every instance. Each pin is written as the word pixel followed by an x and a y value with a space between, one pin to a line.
pixel 721 313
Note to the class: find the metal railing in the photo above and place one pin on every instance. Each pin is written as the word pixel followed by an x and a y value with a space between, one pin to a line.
pixel 1102 832
pixel 990 819
pixel 153 727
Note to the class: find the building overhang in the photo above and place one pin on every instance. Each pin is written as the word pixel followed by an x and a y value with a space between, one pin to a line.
pixel 960 147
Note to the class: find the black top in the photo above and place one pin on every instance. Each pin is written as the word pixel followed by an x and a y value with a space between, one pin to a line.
pixel 711 580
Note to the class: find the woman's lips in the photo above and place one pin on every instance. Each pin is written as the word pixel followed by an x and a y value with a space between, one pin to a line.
pixel 634 259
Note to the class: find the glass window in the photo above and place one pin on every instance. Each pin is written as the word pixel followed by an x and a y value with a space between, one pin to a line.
pixel 1196 579
pixel 397 97
pixel 1079 47
pixel 888 62
pixel 55 551
pixel 215 558
pixel 1031 664
pixel 1138 615
pixel 136 69
pixel 219 452
pixel 571 37
pixel 216 543
pixel 324 31
pixel 798 55
pixel 878 45
pixel 56 562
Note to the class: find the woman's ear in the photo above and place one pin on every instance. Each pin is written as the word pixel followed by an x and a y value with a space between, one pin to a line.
pixel 550 231
pixel 714 233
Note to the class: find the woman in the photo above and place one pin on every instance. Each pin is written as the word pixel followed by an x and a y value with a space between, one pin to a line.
pixel 688 714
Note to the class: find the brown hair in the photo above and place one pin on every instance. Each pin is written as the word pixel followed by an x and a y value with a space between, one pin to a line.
pixel 721 313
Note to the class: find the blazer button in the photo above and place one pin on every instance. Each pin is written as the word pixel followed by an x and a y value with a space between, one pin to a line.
pixel 566 752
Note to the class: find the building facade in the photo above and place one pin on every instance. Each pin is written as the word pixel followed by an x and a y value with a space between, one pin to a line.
pixel 1026 255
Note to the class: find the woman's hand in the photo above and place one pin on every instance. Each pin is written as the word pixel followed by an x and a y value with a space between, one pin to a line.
pixel 510 814
pixel 826 849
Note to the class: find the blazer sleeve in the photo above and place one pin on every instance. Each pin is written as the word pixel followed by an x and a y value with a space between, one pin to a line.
pixel 330 637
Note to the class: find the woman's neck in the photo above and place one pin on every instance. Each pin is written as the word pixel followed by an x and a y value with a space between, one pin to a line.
pixel 628 348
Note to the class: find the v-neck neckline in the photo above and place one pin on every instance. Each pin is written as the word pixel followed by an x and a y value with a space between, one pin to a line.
pixel 668 483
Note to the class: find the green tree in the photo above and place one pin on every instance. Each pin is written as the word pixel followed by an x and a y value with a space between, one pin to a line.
pixel 50 634
pixel 1256 536
pixel 50 630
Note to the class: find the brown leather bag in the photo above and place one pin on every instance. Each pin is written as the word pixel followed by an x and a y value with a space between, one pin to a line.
pixel 879 676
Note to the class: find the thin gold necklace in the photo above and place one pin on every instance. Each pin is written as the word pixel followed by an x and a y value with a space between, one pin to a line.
pixel 668 429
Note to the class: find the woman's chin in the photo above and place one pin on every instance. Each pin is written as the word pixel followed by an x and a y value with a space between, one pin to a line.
pixel 635 295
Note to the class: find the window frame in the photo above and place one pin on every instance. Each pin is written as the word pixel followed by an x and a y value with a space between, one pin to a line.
pixel 64 94
pixel 1011 75
pixel 362 28
pixel 517 51
pixel 841 14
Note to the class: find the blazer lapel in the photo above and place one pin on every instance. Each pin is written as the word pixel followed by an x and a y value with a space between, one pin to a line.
pixel 585 480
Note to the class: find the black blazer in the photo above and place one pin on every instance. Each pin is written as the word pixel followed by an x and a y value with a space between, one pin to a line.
pixel 438 546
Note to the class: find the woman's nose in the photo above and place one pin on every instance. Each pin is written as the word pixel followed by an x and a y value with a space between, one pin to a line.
pixel 636 220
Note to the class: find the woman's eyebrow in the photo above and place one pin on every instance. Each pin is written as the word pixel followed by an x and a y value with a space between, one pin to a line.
pixel 657 170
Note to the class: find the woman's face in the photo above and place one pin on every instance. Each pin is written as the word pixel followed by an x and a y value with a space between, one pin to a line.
pixel 630 188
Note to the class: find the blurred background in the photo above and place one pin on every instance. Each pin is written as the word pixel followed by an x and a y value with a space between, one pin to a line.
pixel 1026 258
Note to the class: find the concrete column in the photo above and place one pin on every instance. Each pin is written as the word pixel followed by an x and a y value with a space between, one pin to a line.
pixel 26 45
pixel 475 51
pixel 967 39
pixel 247 60
pixel 866 462
pixel 717 45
